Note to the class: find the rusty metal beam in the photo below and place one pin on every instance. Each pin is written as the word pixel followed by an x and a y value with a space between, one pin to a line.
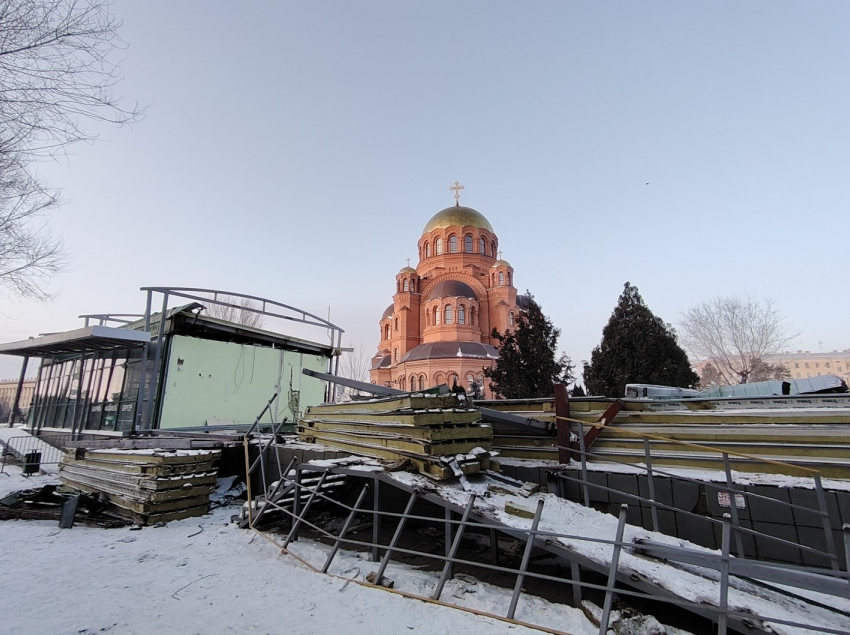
pixel 562 414
pixel 605 419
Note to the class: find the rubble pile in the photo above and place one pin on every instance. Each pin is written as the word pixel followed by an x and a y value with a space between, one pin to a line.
pixel 440 436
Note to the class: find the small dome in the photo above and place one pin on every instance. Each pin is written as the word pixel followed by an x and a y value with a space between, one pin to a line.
pixel 451 350
pixel 406 270
pixel 451 289
pixel 388 312
pixel 457 216
pixel 500 263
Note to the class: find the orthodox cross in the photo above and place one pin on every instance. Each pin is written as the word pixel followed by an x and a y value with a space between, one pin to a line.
pixel 457 187
pixel 408 262
pixel 499 254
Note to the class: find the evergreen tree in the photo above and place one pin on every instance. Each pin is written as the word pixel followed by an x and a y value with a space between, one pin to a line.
pixel 578 391
pixel 527 366
pixel 637 348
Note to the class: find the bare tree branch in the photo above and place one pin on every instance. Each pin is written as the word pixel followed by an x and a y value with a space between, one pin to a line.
pixel 57 73
pixel 354 365
pixel 236 311
pixel 734 334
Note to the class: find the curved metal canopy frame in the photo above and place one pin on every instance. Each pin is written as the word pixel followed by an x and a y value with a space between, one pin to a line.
pixel 144 411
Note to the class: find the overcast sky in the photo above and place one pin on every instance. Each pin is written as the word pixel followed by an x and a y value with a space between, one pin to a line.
pixel 296 150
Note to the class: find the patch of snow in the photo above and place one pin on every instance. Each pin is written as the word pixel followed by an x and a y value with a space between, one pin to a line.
pixel 199 575
pixel 587 527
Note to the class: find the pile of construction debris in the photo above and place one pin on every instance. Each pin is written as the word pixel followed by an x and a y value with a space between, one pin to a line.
pixel 148 486
pixel 441 436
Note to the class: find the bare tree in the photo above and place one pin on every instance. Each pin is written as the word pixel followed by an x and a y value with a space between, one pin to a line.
pixel 237 310
pixel 354 365
pixel 29 255
pixel 57 73
pixel 734 334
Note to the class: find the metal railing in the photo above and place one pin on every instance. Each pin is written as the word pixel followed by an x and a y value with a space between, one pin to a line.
pixel 32 452
pixel 623 580
pixel 734 496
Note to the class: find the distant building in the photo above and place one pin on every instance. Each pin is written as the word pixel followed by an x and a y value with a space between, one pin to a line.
pixel 800 365
pixel 438 328
pixel 7 397
pixel 804 364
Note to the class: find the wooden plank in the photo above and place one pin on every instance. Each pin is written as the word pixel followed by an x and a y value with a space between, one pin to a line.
pixel 159 457
pixel 428 465
pixel 412 446
pixel 416 402
pixel 148 469
pixel 143 507
pixel 441 433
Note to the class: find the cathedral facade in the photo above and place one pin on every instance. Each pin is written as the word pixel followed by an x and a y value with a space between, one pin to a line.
pixel 438 328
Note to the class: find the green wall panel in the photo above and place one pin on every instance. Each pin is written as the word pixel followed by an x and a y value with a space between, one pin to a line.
pixel 208 380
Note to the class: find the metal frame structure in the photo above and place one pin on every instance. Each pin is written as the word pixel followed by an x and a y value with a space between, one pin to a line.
pixel 306 482
pixel 148 389
pixel 728 487
pixel 118 318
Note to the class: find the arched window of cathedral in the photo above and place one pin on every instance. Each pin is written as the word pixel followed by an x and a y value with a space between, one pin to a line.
pixel 421 382
pixel 439 246
pixel 412 383
pixel 395 354
pixel 501 278
pixel 482 246
pixel 470 379
pixel 511 319
pixel 387 332
pixel 428 249
pixel 508 278
pixel 493 248
pixel 472 316
pixel 449 314
pixel 412 285
pixel 461 315
pixel 401 383
pixel 404 285
pixel 396 324
pixel 452 244
pixel 436 315
pixel 452 380
pixel 467 244
pixel 427 317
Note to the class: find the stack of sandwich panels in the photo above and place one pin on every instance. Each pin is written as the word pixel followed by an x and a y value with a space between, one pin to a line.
pixel 438 435
pixel 148 486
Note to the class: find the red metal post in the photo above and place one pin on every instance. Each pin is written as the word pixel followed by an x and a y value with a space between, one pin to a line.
pixel 562 409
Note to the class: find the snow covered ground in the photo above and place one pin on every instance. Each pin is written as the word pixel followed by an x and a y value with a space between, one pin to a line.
pixel 207 576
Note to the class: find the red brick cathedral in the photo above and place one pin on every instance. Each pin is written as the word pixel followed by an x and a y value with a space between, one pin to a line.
pixel 437 330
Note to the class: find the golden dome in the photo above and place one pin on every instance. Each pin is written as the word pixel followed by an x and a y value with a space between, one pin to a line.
pixel 457 216
pixel 407 269
pixel 500 263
